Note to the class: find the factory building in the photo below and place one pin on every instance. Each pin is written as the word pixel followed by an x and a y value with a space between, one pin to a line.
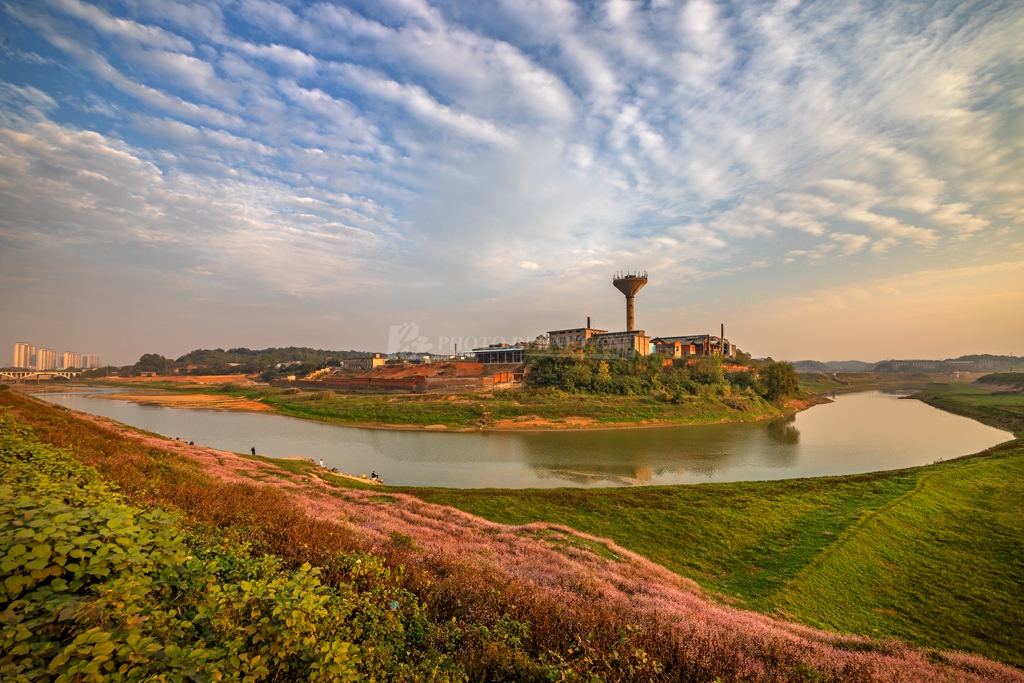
pixel 631 341
pixel 501 353
pixel 694 345
pixel 575 338
pixel 636 341
pixel 368 363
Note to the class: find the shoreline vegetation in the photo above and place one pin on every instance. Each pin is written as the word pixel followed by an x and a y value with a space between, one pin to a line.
pixel 580 389
pixel 499 411
pixel 930 556
pixel 530 409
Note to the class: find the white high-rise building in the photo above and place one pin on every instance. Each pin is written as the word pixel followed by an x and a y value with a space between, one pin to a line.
pixel 24 355
pixel 92 360
pixel 46 359
pixel 72 360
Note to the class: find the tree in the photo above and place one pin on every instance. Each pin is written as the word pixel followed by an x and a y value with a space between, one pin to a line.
pixel 153 362
pixel 778 380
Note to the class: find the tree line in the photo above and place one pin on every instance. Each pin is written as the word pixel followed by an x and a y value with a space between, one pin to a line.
pixel 590 372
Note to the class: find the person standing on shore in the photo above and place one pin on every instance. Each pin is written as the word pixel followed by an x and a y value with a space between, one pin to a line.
pixel 321 463
pixel 254 450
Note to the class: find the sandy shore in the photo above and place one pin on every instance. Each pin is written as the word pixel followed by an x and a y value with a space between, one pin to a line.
pixel 207 401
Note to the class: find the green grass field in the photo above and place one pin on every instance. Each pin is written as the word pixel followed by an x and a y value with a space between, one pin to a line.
pixel 465 411
pixel 931 555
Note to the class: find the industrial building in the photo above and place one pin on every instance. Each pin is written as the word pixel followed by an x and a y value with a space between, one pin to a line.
pixel 694 345
pixel 368 363
pixel 501 353
pixel 577 337
pixel 633 340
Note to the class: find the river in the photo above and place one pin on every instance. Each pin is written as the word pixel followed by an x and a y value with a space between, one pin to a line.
pixel 859 432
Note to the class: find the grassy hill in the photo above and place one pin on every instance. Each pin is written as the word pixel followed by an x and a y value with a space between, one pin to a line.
pixel 931 555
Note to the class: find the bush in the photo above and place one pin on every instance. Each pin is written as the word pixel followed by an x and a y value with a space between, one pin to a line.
pixel 97 590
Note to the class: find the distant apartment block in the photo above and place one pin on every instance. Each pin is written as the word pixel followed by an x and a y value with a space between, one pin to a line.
pixel 46 359
pixel 24 356
pixel 28 357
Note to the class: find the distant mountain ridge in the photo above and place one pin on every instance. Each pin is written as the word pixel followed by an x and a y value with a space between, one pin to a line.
pixel 833 366
pixel 984 362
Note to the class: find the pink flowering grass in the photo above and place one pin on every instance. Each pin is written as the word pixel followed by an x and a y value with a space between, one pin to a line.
pixel 606 612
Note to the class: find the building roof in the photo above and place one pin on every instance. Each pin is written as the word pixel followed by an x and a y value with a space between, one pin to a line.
pixel 691 338
pixel 578 329
pixel 632 333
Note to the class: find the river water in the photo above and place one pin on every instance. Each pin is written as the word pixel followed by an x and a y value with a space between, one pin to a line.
pixel 860 432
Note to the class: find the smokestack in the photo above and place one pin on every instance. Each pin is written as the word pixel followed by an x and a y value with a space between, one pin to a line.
pixel 723 333
pixel 629 284
pixel 588 322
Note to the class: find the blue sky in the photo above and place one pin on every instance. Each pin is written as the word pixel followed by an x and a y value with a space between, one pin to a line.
pixel 828 179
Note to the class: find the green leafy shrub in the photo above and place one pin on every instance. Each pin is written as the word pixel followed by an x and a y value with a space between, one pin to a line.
pixel 94 589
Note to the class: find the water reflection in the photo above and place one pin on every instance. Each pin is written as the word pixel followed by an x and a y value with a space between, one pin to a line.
pixel 857 433
pixel 784 430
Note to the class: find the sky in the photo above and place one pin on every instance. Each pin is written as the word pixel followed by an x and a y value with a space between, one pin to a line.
pixel 828 179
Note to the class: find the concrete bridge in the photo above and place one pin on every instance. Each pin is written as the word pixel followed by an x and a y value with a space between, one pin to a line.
pixel 37 375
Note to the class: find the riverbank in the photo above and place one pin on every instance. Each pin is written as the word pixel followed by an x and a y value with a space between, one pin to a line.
pixel 932 555
pixel 513 410
pixel 574 602
pixel 826 383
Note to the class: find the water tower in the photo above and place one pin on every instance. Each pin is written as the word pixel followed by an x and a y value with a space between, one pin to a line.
pixel 629 284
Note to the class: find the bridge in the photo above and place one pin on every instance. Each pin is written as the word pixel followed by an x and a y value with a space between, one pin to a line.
pixel 37 375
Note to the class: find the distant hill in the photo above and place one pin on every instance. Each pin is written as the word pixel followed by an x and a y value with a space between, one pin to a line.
pixel 995 363
pixel 984 362
pixel 833 366
pixel 262 357
pixel 1003 381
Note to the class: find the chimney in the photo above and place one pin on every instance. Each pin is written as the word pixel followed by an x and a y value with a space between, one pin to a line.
pixel 723 333
pixel 588 322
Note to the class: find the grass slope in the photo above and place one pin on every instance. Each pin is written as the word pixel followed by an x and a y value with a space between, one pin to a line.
pixel 931 555
pixel 742 540
pixel 942 566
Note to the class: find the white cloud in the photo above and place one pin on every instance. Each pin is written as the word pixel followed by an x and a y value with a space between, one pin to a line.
pixel 698 142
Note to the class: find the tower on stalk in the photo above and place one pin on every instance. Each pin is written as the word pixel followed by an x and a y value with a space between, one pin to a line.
pixel 629 284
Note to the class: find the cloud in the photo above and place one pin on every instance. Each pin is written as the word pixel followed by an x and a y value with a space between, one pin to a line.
pixel 338 146
pixel 851 244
